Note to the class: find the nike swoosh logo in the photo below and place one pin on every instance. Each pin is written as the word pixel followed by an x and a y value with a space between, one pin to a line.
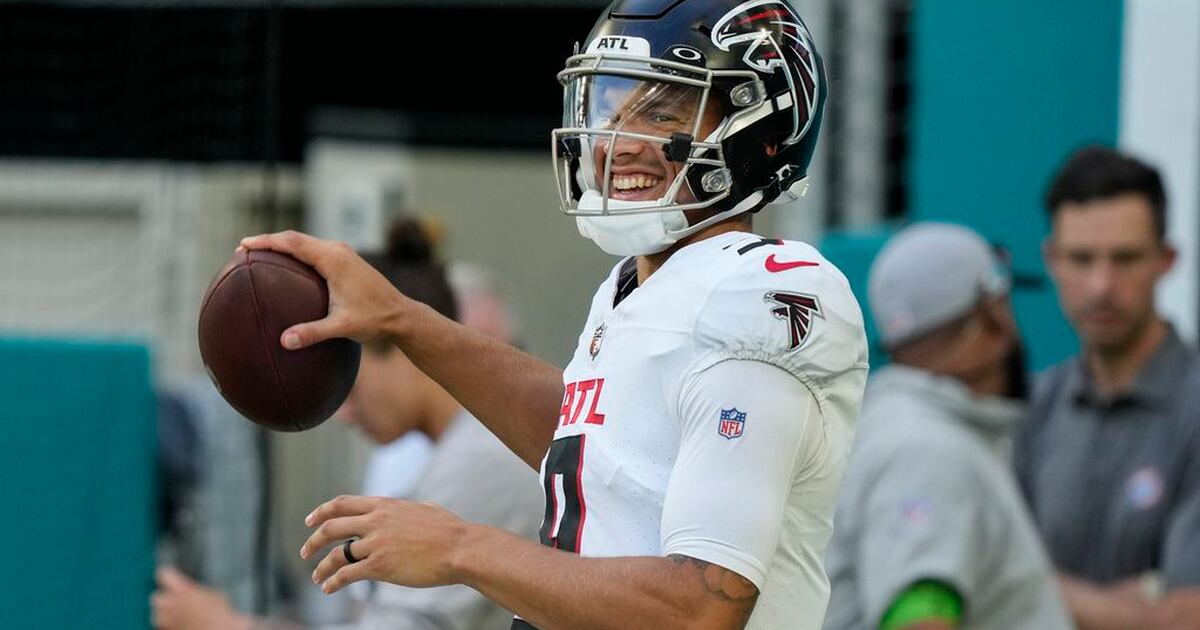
pixel 774 266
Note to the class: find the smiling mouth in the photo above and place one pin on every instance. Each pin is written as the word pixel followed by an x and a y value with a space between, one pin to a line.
pixel 635 187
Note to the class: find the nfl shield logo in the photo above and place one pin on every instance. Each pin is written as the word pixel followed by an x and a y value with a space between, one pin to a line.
pixel 731 424
pixel 597 337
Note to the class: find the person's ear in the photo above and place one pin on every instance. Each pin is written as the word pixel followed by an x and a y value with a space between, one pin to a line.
pixel 1050 257
pixel 1167 258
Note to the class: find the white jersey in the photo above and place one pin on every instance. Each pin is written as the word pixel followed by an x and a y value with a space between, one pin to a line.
pixel 709 413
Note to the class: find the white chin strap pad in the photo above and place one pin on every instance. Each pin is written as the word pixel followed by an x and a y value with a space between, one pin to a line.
pixel 628 234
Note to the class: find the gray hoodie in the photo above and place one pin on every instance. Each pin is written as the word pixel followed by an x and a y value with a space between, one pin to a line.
pixel 927 495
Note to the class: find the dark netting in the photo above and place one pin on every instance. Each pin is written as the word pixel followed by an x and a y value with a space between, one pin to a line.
pixel 149 83
pixel 198 83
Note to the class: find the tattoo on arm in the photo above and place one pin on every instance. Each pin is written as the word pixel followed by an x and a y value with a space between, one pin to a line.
pixel 727 586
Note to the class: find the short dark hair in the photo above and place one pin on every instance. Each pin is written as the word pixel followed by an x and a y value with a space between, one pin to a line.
pixel 1098 172
pixel 411 265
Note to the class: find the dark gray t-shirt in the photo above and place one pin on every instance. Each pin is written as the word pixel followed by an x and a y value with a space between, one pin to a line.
pixel 1114 484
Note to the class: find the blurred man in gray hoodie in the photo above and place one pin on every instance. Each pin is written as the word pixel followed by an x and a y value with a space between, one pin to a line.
pixel 930 531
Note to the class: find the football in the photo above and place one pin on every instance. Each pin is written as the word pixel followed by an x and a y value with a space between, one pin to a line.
pixel 245 310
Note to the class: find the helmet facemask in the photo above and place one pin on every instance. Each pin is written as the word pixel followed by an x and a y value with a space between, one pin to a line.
pixel 641 135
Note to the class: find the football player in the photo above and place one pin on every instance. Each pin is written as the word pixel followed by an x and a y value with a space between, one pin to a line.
pixel 690 452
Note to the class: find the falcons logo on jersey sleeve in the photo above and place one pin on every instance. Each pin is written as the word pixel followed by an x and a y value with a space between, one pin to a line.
pixel 798 310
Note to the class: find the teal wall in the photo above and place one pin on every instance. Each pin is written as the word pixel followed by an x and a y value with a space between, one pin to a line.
pixel 853 252
pixel 77 484
pixel 1002 91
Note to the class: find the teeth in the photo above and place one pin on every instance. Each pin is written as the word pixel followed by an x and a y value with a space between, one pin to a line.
pixel 630 182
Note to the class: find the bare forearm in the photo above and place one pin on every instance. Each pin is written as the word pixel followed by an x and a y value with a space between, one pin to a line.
pixel 1096 609
pixel 556 590
pixel 516 395
pixel 1182 607
pixel 1124 607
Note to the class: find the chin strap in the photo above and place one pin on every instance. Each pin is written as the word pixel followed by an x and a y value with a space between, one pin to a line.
pixel 794 191
pixel 747 204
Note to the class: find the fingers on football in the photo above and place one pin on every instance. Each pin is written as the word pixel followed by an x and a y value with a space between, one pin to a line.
pixel 310 333
pixel 306 248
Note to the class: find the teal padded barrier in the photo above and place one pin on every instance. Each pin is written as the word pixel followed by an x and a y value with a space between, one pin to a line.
pixel 77 465
pixel 1003 91
pixel 853 252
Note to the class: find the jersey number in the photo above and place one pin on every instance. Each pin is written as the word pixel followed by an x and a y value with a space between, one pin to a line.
pixel 562 527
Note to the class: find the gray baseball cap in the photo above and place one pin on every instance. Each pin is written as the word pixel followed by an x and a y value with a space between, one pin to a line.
pixel 927 275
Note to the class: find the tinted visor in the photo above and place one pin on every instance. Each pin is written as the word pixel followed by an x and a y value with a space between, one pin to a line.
pixel 615 133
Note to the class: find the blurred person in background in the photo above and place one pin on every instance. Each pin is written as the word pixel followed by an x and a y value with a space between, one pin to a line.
pixel 469 471
pixel 482 304
pixel 1109 459
pixel 930 530
pixel 394 468
pixel 180 470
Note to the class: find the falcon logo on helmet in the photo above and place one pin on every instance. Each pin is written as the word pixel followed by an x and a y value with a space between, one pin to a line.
pixel 773 35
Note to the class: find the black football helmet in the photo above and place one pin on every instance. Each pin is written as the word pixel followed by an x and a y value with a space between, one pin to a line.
pixel 731 92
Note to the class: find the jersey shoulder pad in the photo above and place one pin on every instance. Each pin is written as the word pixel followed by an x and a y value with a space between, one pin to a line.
pixel 783 303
